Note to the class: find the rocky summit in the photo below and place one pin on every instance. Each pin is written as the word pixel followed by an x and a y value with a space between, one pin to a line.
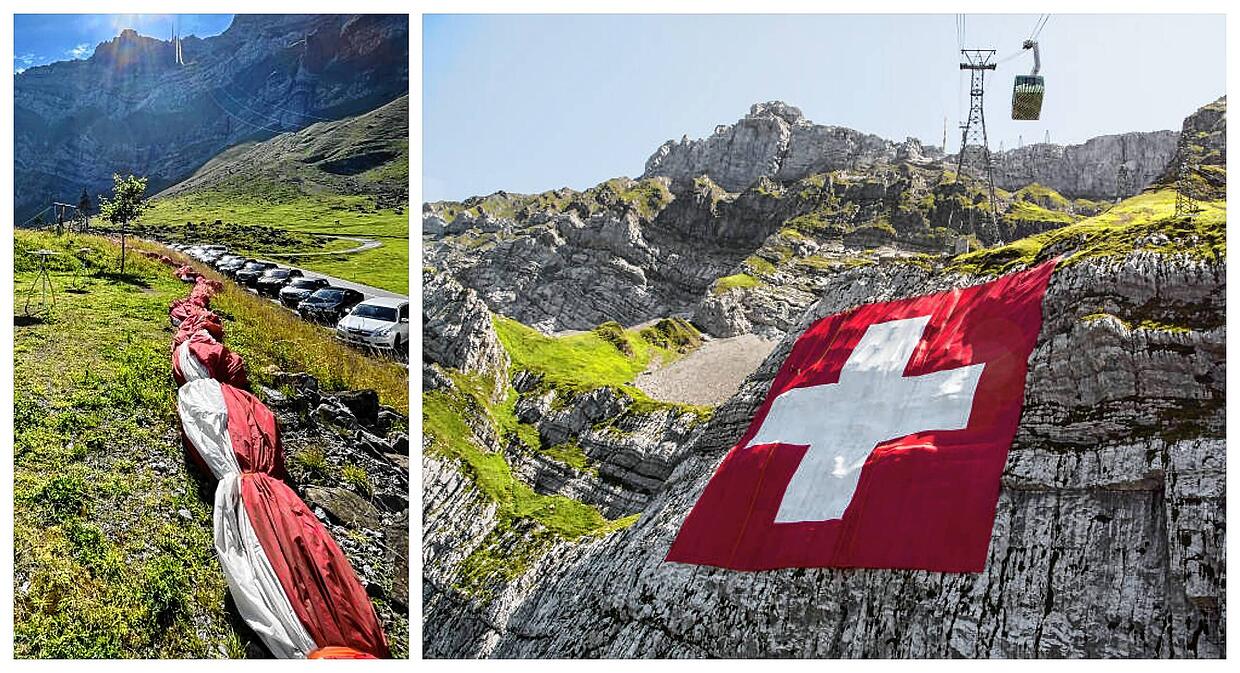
pixel 131 108
pixel 556 475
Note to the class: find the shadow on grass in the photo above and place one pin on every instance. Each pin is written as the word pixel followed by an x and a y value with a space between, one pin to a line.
pixel 126 278
pixel 29 320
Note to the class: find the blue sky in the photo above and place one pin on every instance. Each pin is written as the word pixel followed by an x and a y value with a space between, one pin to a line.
pixel 39 39
pixel 527 103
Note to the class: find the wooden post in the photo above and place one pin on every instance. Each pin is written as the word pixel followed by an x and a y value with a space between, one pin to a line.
pixel 124 225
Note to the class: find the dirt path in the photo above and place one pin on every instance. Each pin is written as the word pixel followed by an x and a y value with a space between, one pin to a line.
pixel 709 375
pixel 363 245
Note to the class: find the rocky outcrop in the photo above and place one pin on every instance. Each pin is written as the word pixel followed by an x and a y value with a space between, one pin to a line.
pixel 776 141
pixel 457 330
pixel 130 109
pixel 1108 539
pixel 348 459
pixel 812 200
pixel 1106 167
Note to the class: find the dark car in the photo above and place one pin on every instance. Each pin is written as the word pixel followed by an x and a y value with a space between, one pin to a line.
pixel 298 289
pixel 252 271
pixel 271 282
pixel 328 304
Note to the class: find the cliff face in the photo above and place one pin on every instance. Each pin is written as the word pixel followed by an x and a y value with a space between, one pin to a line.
pixel 1107 167
pixel 1108 539
pixel 776 141
pixel 761 204
pixel 1109 536
pixel 129 108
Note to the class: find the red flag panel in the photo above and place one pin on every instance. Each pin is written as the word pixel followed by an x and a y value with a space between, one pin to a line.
pixel 254 433
pixel 882 439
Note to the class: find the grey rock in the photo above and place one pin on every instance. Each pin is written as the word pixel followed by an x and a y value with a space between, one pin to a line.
pixel 457 330
pixel 345 506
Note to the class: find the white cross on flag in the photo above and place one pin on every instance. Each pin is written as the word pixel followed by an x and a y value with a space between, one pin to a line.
pixel 882 439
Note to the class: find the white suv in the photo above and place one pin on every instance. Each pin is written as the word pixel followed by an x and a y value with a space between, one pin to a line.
pixel 381 322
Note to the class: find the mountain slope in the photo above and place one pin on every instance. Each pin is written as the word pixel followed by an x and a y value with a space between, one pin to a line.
pixel 343 178
pixel 130 109
pixel 1110 532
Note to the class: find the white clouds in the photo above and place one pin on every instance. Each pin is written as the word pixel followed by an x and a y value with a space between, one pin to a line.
pixel 23 62
pixel 81 51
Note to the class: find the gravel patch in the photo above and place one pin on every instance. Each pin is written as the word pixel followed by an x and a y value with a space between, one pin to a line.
pixel 709 375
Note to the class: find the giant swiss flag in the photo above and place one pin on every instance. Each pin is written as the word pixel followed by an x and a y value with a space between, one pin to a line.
pixel 882 439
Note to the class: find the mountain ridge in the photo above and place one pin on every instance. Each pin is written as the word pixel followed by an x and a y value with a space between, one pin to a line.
pixel 78 122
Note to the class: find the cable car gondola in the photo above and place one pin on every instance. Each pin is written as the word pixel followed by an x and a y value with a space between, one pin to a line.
pixel 1028 89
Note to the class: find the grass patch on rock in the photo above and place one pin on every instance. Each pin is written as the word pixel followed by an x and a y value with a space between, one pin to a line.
pixel 1143 222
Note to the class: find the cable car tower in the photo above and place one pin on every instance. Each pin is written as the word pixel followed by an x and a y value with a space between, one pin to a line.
pixel 1185 199
pixel 974 147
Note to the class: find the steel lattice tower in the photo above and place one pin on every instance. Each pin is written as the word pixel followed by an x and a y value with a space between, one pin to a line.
pixel 974 148
pixel 1185 201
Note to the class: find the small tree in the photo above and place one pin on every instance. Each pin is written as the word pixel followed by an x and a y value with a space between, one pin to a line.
pixel 84 208
pixel 126 205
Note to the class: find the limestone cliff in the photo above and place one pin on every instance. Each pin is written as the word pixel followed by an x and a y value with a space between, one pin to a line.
pixel 776 141
pixel 553 486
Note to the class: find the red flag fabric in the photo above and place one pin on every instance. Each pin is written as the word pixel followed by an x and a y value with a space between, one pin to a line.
pixel 882 439
pixel 201 356
pixel 254 433
pixel 315 574
pixel 199 319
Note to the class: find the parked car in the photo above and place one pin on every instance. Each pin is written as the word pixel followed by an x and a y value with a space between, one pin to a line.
pixel 204 253
pixel 274 279
pixel 298 289
pixel 328 304
pixel 250 273
pixel 223 260
pixel 232 266
pixel 382 322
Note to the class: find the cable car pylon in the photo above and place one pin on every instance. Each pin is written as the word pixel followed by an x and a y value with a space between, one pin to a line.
pixel 973 132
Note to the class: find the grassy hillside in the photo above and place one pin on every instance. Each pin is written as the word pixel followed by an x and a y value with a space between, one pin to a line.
pixel 342 178
pixel 113 545
pixel 1143 222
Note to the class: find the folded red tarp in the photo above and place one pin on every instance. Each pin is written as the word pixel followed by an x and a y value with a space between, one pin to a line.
pixel 315 574
pixel 225 426
pixel 199 319
pixel 202 357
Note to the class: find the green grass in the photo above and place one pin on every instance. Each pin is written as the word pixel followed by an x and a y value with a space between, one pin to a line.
pixel 1042 195
pixel 259 202
pixel 113 544
pixel 672 334
pixel 571 454
pixel 582 362
pixel 1029 211
pixel 444 414
pixel 735 281
pixel 1133 224
pixel 1144 324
